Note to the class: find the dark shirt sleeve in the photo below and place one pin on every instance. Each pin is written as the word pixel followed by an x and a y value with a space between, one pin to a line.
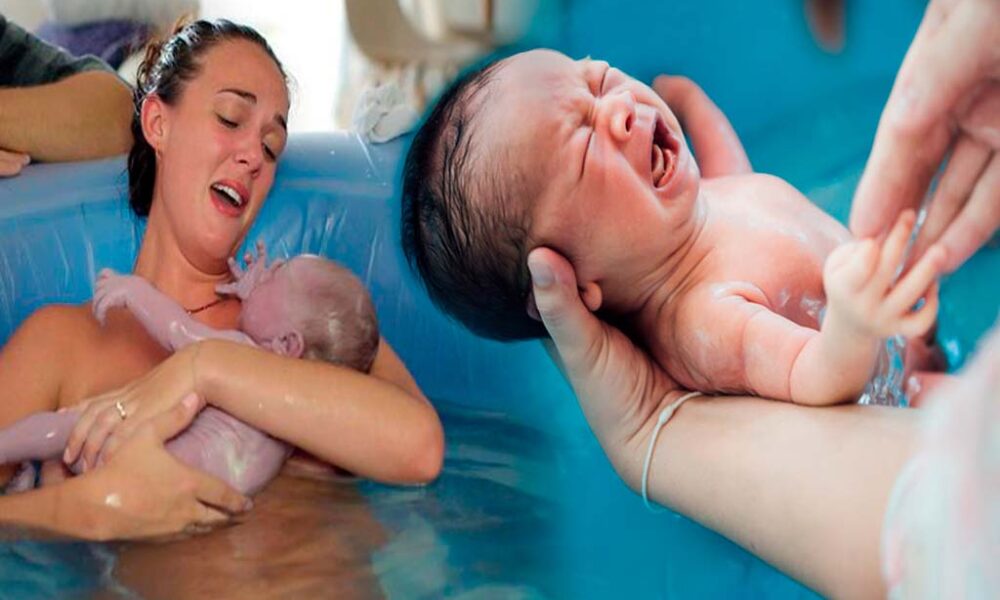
pixel 26 60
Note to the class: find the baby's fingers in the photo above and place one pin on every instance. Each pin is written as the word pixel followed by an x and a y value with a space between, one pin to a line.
pixel 850 265
pixel 917 281
pixel 919 322
pixel 894 247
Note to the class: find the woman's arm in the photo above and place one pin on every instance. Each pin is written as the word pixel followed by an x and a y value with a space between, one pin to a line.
pixel 31 364
pixel 378 428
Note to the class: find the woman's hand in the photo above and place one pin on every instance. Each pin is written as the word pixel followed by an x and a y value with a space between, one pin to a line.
pixel 947 95
pixel 110 419
pixel 144 492
pixel 619 386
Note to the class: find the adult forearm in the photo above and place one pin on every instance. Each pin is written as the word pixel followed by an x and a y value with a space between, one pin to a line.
pixel 81 117
pixel 356 421
pixel 803 488
pixel 37 513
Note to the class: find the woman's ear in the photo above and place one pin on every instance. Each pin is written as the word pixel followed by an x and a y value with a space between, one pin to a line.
pixel 153 119
pixel 591 295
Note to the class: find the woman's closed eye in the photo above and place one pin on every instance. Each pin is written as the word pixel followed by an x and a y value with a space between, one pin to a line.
pixel 228 123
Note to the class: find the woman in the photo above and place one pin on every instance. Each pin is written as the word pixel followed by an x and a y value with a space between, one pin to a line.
pixel 211 112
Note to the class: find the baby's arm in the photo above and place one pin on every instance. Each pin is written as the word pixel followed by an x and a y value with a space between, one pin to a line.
pixel 164 319
pixel 786 361
pixel 716 145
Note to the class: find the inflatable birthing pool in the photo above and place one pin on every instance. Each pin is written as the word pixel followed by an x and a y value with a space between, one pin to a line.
pixel 527 505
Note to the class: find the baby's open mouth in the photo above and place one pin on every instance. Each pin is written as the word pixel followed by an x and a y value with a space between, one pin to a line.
pixel 663 154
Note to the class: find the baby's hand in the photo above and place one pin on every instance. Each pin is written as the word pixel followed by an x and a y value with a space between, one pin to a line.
pixel 110 291
pixel 858 278
pixel 244 281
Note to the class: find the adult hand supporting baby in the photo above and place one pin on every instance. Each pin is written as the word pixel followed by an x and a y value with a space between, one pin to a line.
pixel 946 95
pixel 102 429
pixel 144 492
pixel 745 467
pixel 141 492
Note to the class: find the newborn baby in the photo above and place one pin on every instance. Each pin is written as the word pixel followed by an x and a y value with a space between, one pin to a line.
pixel 308 307
pixel 719 273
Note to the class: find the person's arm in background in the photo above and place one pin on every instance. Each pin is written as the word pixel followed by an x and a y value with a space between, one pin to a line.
pixel 946 96
pixel 717 147
pixel 141 492
pixel 803 488
pixel 54 107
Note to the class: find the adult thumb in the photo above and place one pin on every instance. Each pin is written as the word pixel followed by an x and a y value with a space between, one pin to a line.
pixel 575 331
pixel 178 418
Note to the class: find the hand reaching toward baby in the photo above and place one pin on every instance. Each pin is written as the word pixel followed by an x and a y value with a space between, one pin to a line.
pixel 863 294
pixel 244 281
pixel 112 290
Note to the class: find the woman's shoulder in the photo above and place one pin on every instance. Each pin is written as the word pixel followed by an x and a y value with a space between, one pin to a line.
pixel 64 319
pixel 67 327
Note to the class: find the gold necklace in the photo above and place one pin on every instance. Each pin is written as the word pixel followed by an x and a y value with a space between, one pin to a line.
pixel 194 311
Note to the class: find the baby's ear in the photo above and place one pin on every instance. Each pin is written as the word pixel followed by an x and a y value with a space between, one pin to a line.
pixel 592 296
pixel 288 344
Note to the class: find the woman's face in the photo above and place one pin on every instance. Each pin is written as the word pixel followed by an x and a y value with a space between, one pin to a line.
pixel 217 149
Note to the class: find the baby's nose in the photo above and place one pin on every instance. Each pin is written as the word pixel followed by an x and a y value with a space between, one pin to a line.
pixel 621 118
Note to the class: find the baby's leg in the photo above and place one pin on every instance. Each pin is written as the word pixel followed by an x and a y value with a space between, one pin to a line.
pixel 40 436
pixel 217 443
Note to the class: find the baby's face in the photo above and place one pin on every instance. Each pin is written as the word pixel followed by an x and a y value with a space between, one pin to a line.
pixel 618 176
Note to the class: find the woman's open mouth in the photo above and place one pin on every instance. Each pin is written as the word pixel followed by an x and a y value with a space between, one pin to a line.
pixel 229 197
pixel 663 154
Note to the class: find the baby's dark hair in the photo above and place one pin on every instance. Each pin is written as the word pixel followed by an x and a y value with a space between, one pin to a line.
pixel 167 67
pixel 335 314
pixel 465 222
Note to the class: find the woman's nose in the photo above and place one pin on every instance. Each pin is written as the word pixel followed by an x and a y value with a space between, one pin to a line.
pixel 618 114
pixel 251 154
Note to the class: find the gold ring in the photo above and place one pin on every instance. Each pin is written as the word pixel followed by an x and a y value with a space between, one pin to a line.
pixel 121 409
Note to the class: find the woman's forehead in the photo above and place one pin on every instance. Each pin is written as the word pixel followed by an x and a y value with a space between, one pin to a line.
pixel 243 65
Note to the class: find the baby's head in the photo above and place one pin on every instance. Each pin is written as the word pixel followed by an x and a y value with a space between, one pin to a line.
pixel 540 150
pixel 311 307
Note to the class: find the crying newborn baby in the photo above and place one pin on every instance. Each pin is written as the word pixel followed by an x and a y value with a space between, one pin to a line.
pixel 308 307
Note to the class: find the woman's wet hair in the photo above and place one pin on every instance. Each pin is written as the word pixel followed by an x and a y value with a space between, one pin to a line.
pixel 465 218
pixel 165 71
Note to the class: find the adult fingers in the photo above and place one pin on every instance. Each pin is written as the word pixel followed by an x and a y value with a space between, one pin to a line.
pixel 11 163
pixel 575 331
pixel 103 426
pixel 978 220
pixel 919 322
pixel 981 119
pixel 942 65
pixel 952 53
pixel 215 493
pixel 178 418
pixel 964 168
pixel 894 247
pixel 916 282
pixel 74 444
